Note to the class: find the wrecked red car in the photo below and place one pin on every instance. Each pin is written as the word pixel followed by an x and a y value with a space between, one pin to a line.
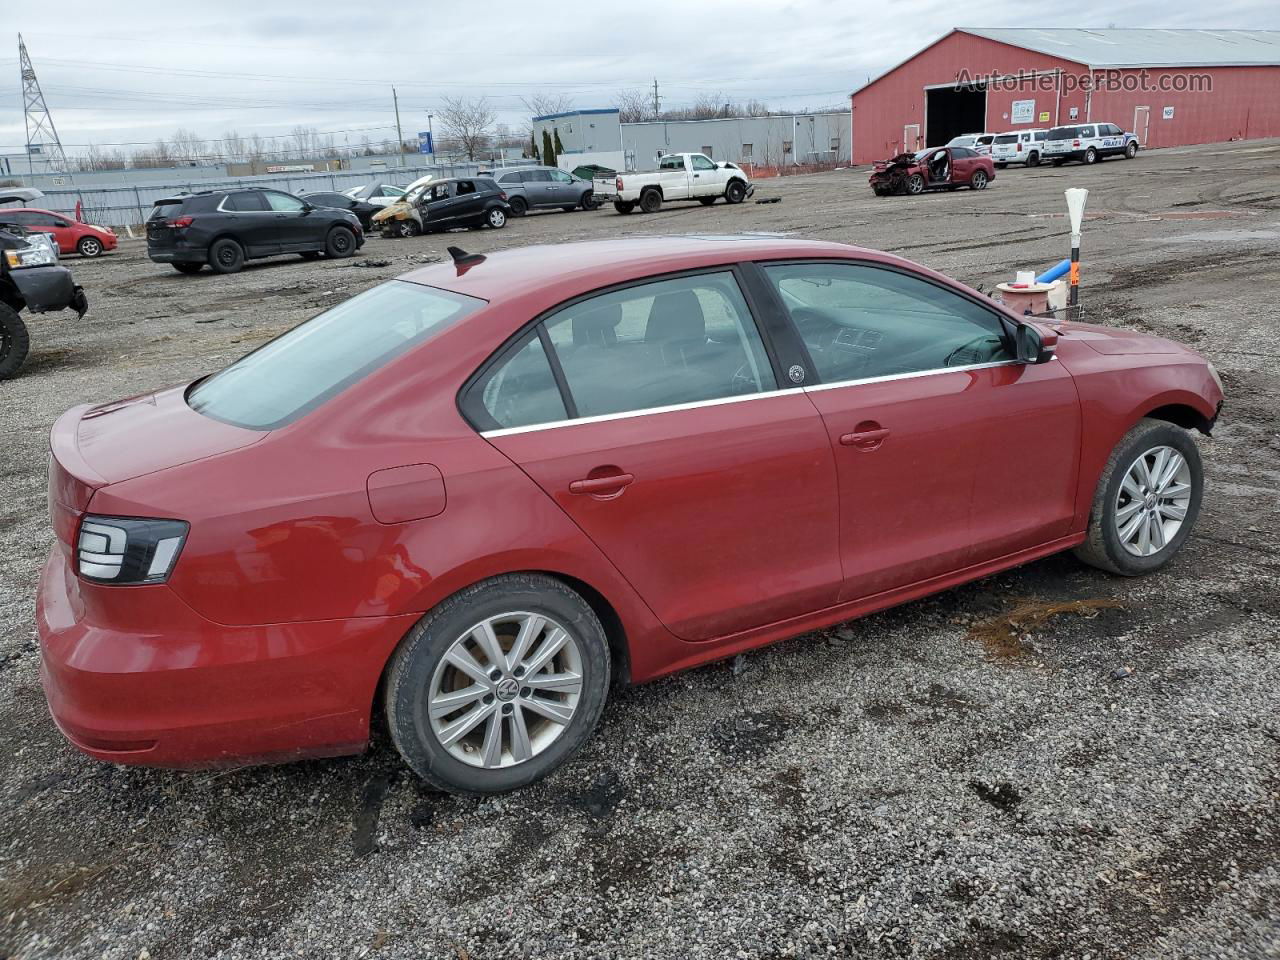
pixel 937 168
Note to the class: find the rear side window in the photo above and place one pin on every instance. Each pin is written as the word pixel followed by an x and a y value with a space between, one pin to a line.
pixel 250 200
pixel 1063 133
pixel 510 178
pixel 1041 135
pixel 1006 138
pixel 861 322
pixel 301 369
pixel 522 390
pixel 537 176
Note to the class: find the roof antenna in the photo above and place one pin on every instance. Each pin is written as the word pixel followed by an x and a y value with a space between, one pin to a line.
pixel 463 259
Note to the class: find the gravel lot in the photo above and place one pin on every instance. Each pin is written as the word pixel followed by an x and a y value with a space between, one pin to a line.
pixel 966 776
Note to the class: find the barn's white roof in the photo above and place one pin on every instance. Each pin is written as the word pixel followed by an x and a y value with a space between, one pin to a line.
pixel 1145 48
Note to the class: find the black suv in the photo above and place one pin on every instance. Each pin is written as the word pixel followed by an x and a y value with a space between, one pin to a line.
pixel 443 205
pixel 224 228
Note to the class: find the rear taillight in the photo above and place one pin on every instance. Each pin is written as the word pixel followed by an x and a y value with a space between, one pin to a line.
pixel 1019 148
pixel 128 550
pixel 618 184
pixel 503 194
pixel 1075 143
pixel 180 221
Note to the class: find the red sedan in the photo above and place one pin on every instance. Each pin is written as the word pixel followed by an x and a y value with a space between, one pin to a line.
pixel 480 493
pixel 68 233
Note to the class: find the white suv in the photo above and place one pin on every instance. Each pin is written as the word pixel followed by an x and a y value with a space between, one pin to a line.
pixel 1020 146
pixel 977 142
pixel 1089 143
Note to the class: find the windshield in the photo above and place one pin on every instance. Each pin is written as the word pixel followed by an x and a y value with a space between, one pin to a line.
pixel 301 369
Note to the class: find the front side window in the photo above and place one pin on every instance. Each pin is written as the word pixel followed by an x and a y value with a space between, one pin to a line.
pixel 702 163
pixel 283 203
pixel 657 344
pixel 314 361
pixel 860 321
pixel 561 176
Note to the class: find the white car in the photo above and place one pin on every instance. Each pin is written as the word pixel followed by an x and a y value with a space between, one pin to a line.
pixel 680 176
pixel 1019 146
pixel 379 194
pixel 979 143
pixel 1089 143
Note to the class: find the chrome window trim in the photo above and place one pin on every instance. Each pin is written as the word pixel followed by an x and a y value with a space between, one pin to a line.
pixel 676 407
pixel 647 411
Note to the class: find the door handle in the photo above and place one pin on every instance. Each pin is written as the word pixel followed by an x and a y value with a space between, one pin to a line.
pixel 607 484
pixel 865 439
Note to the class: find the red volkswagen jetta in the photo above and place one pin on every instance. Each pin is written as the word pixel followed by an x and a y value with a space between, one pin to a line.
pixel 479 493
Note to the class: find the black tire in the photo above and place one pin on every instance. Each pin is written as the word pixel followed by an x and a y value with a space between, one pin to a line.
pixel 706 201
pixel 89 247
pixel 310 255
pixel 1090 156
pixel 226 256
pixel 650 201
pixel 914 184
pixel 735 192
pixel 979 180
pixel 495 217
pixel 415 661
pixel 405 228
pixel 588 201
pixel 1103 548
pixel 15 342
pixel 1131 150
pixel 1033 158
pixel 187 268
pixel 519 206
pixel 340 243
pixel 624 206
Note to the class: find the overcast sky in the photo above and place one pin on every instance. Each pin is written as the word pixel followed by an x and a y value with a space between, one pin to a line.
pixel 129 72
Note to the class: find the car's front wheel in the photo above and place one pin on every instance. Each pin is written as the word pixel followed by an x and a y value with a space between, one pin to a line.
pixel 498 685
pixel 340 243
pixel 14 341
pixel 1147 500
pixel 89 247
pixel 1131 150
pixel 735 192
pixel 979 180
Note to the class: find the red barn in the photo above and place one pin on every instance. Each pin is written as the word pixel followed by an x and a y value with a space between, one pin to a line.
pixel 1170 87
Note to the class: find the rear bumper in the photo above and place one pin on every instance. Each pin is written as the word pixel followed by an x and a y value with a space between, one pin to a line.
pixel 146 680
pixel 178 253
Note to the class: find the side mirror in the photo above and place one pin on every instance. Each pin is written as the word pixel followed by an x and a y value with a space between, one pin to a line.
pixel 307 208
pixel 1034 344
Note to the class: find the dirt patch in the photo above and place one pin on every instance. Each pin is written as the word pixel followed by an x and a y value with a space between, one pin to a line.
pixel 1005 636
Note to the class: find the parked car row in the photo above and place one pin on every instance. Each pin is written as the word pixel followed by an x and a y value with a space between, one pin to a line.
pixel 66 233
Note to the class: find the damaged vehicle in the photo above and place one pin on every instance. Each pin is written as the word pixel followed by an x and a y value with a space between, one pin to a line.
pixel 445 204
pixel 31 279
pixel 937 168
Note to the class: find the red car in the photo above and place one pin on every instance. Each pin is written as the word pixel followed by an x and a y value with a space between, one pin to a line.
pixel 68 233
pixel 938 168
pixel 478 494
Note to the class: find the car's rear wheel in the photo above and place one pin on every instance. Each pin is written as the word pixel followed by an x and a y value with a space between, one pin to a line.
pixel 915 183
pixel 1091 156
pixel 1033 159
pixel 496 218
pixel 735 192
pixel 14 341
pixel 650 201
pixel 498 685
pixel 979 180
pixel 1147 500
pixel 187 268
pixel 226 256
pixel 624 206
pixel 589 201
pixel 1131 150
pixel 89 247
pixel 519 206
pixel 340 243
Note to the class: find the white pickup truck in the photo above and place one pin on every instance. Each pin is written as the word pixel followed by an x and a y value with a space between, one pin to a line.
pixel 680 176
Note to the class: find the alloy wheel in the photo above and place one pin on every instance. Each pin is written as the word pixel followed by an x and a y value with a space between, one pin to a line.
pixel 90 247
pixel 1152 502
pixel 497 218
pixel 505 690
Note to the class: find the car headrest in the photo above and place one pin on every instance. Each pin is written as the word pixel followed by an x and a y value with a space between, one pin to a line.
pixel 675 316
pixel 597 326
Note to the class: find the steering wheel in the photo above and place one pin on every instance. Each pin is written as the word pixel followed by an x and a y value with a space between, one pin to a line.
pixel 975 344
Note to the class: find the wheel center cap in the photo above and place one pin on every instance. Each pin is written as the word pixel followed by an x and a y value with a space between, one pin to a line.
pixel 1150 502
pixel 507 690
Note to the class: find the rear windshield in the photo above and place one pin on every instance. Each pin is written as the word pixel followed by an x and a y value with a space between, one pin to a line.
pixel 1063 133
pixel 165 209
pixel 301 369
pixel 1006 138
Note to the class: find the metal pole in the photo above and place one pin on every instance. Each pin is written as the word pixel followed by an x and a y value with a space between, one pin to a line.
pixel 431 134
pixel 399 136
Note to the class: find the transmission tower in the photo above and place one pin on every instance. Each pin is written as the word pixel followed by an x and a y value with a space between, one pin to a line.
pixel 42 136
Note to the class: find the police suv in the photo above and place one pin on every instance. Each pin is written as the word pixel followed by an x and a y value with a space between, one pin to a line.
pixel 1089 143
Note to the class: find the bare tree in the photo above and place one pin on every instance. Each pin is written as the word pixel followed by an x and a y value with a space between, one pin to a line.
pixel 257 148
pixel 468 122
pixel 233 145
pixel 633 106
pixel 541 104
pixel 187 145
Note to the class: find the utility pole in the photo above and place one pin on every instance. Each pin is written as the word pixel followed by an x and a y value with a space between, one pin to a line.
pixel 41 133
pixel 656 101
pixel 399 136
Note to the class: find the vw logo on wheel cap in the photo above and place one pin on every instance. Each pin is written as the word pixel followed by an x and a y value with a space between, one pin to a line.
pixel 507 689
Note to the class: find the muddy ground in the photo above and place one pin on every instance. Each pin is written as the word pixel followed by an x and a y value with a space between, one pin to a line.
pixel 960 777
